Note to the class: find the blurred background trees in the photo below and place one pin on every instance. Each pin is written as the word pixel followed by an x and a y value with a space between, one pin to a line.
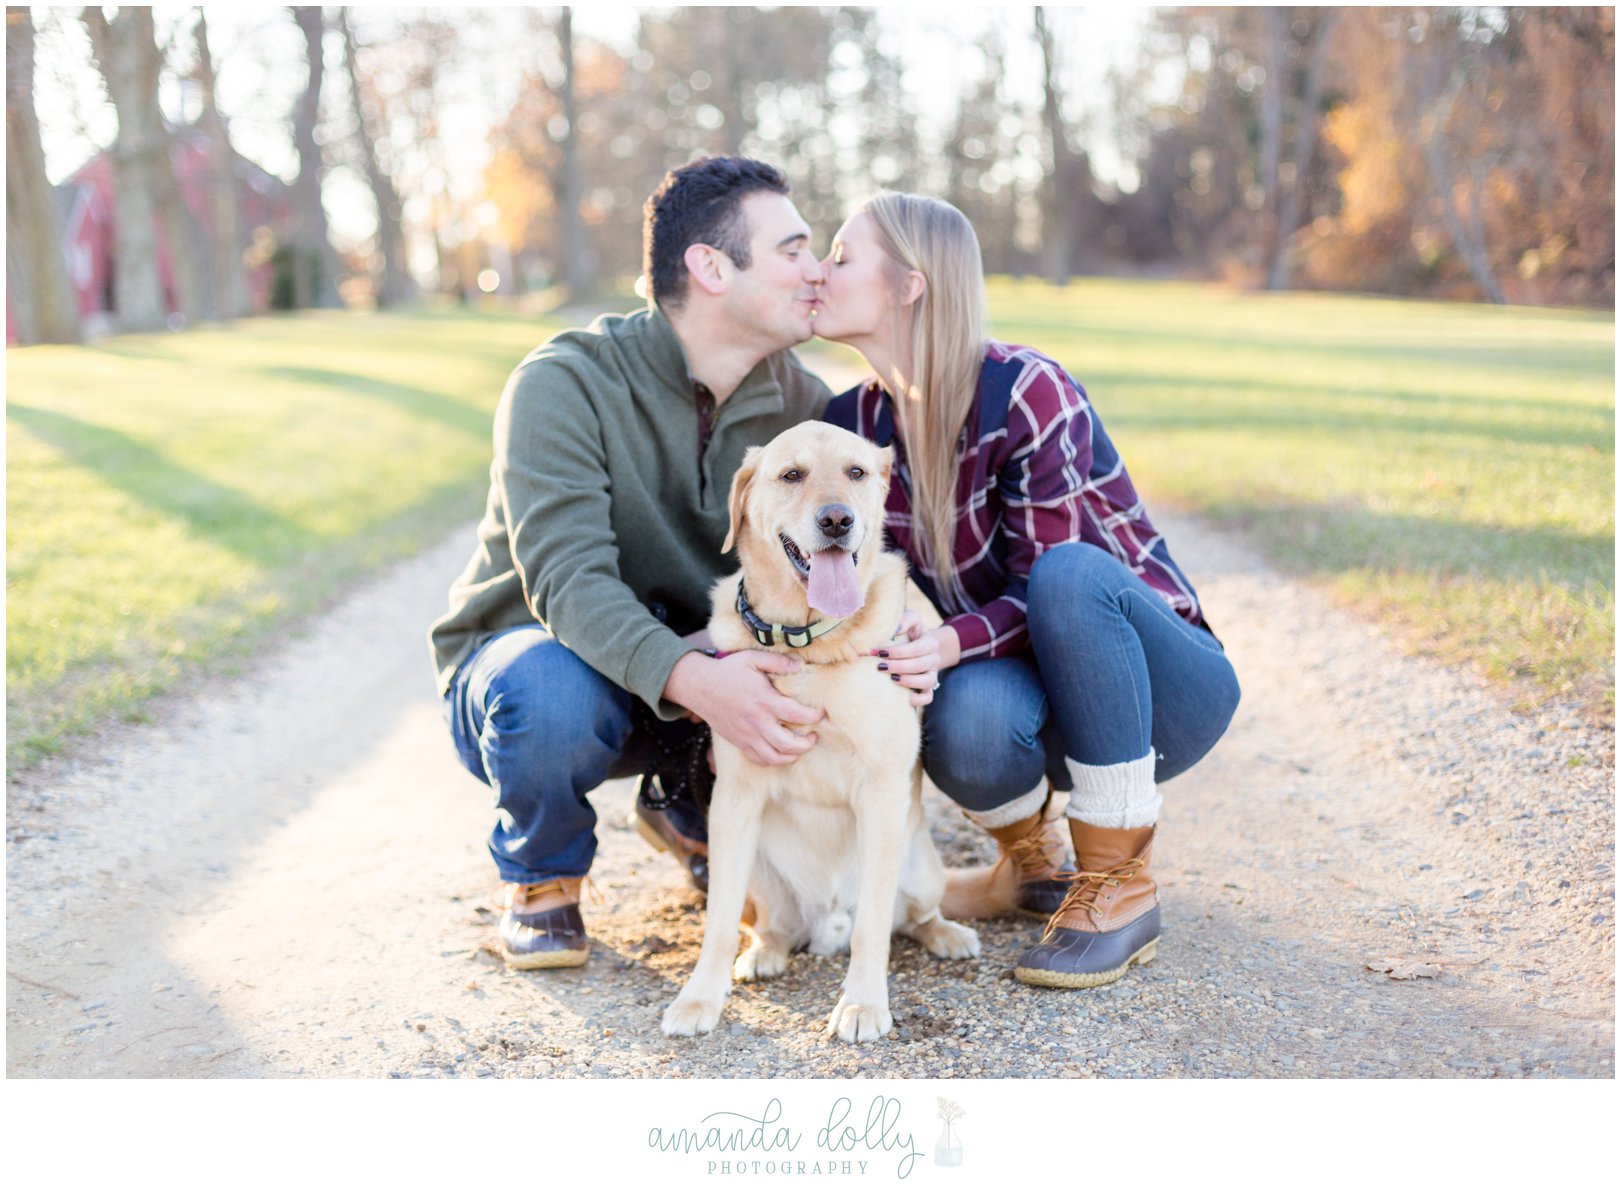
pixel 40 297
pixel 1462 153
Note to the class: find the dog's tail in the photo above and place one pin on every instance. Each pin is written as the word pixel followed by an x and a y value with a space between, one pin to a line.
pixel 974 893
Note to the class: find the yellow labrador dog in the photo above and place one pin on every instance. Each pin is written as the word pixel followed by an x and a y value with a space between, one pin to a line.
pixel 830 851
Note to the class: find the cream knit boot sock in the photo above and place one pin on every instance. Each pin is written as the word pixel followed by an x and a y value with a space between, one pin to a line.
pixel 1115 796
pixel 1023 806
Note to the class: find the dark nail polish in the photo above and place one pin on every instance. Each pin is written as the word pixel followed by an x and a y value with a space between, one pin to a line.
pixel 883 653
pixel 882 666
pixel 894 676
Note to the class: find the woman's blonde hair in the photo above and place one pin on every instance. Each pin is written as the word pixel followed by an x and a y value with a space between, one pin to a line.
pixel 937 360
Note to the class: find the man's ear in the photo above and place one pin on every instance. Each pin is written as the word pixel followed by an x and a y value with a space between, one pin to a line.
pixel 707 267
pixel 739 496
pixel 914 286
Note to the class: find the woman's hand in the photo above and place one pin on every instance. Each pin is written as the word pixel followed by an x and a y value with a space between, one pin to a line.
pixel 917 656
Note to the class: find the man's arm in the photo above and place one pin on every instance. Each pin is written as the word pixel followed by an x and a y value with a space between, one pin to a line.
pixel 551 473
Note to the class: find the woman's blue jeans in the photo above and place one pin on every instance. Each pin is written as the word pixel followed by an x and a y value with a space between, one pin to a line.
pixel 1112 673
pixel 542 729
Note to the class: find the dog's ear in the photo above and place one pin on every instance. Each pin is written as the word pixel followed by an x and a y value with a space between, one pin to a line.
pixel 740 489
pixel 886 465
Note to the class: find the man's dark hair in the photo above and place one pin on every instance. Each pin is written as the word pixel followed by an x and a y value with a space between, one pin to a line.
pixel 700 203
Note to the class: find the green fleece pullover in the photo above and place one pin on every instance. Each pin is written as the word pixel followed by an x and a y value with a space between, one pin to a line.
pixel 601 523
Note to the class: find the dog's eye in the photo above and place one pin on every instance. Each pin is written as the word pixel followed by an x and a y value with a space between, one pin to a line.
pixel 857 473
pixel 792 475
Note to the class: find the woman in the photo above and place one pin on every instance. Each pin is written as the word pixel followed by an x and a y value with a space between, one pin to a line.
pixel 1073 647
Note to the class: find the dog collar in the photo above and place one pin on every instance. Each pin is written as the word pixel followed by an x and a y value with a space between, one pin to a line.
pixel 776 633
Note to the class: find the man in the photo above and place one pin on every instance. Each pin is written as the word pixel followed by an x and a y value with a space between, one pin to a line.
pixel 589 587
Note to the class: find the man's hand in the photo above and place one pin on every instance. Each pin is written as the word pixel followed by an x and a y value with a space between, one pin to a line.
pixel 735 697
pixel 917 655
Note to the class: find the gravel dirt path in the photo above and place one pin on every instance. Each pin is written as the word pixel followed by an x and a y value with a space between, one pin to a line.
pixel 1382 871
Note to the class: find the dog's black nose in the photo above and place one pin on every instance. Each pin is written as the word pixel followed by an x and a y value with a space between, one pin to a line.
pixel 834 520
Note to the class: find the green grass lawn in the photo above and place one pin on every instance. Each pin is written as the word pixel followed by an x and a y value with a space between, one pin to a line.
pixel 172 498
pixel 1450 467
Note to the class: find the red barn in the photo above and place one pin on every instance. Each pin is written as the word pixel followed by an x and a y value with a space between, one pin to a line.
pixel 87 210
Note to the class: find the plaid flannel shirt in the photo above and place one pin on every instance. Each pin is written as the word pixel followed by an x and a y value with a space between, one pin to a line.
pixel 1045 474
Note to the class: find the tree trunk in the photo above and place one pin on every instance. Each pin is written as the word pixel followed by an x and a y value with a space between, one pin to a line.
pixel 227 271
pixel 187 255
pixel 138 295
pixel 1433 117
pixel 1305 147
pixel 42 298
pixel 315 264
pixel 394 277
pixel 1275 25
pixel 1060 190
pixel 729 86
pixel 579 271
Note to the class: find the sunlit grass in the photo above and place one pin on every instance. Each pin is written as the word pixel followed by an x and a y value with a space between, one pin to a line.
pixel 1451 467
pixel 172 498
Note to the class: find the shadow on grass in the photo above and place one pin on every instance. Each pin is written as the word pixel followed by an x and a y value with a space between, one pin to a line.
pixel 270 332
pixel 1220 404
pixel 1558 363
pixel 211 510
pixel 1323 539
pixel 306 575
pixel 421 402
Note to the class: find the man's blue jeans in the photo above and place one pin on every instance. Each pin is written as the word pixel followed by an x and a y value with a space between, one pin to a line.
pixel 1111 674
pixel 1112 671
pixel 542 729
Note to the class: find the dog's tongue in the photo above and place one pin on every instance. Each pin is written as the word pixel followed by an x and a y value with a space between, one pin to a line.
pixel 833 586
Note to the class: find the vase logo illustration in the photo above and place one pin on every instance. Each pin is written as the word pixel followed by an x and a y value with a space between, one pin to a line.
pixel 948 1148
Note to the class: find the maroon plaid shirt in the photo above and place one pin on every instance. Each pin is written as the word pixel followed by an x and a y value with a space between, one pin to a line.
pixel 1038 471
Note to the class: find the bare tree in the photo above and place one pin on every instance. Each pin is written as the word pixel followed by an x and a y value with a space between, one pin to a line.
pixel 1305 146
pixel 1069 207
pixel 1444 66
pixel 729 56
pixel 1275 34
pixel 579 269
pixel 315 263
pixel 227 271
pixel 126 52
pixel 41 296
pixel 1057 230
pixel 979 139
pixel 394 277
pixel 1465 227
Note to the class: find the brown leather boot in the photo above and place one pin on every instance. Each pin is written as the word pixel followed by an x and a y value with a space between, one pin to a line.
pixel 541 926
pixel 679 828
pixel 1109 920
pixel 1036 849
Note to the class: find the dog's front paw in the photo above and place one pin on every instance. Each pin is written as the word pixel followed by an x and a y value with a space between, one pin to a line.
pixel 948 939
pixel 758 962
pixel 692 1015
pixel 855 1021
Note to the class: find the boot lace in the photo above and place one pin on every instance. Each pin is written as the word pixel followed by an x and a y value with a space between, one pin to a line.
pixel 1038 855
pixel 1083 893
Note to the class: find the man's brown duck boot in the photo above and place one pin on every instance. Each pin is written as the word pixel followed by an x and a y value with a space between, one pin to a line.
pixel 1109 919
pixel 1037 851
pixel 541 926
